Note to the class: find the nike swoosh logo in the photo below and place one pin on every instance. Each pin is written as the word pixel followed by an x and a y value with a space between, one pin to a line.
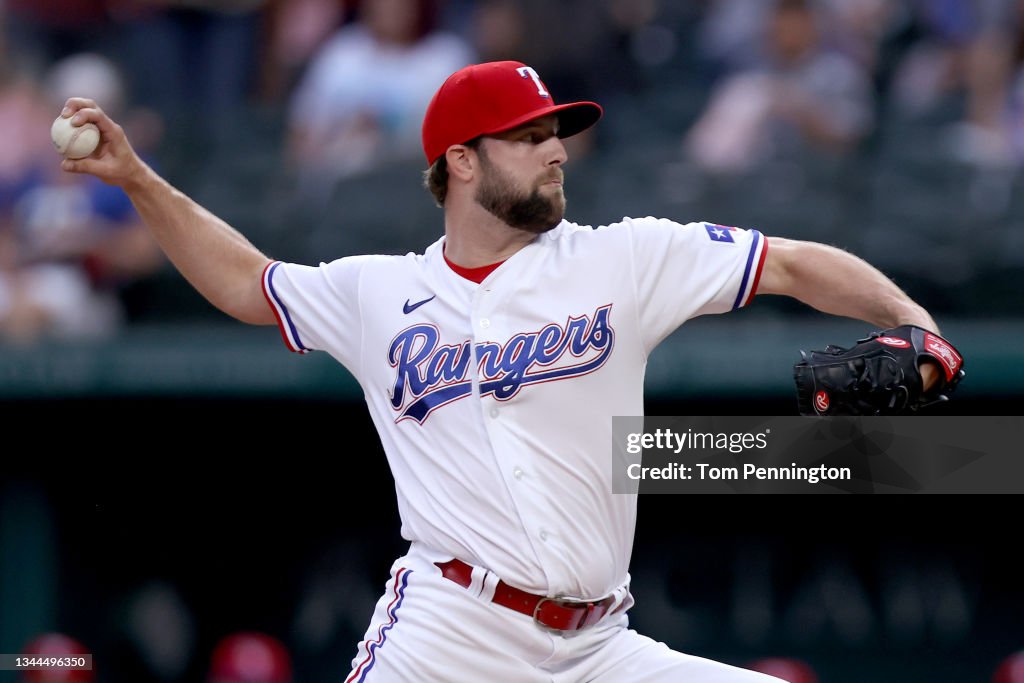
pixel 409 308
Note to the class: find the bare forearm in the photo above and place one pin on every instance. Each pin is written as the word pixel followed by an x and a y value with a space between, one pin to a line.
pixel 836 282
pixel 215 258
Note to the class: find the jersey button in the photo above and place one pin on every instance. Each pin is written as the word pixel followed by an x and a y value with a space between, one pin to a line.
pixel 485 323
pixel 517 473
pixel 494 412
pixel 543 535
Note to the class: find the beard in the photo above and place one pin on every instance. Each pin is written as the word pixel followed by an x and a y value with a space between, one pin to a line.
pixel 530 212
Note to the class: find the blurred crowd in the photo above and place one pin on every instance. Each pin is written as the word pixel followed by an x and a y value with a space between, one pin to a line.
pixel 268 109
pixel 827 74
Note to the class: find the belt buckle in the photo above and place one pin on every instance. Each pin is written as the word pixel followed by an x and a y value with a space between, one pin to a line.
pixel 590 605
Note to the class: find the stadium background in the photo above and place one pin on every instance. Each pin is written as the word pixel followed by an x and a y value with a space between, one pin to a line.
pixel 177 476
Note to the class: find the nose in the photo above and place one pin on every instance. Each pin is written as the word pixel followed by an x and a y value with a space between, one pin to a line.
pixel 556 153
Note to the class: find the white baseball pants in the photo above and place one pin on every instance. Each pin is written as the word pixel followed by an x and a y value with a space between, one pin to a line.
pixel 428 629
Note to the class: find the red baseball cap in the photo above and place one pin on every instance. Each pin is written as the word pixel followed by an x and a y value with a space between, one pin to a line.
pixel 483 99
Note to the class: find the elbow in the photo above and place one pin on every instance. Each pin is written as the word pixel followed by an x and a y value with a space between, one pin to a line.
pixel 781 265
pixel 264 317
pixel 252 311
pixel 247 302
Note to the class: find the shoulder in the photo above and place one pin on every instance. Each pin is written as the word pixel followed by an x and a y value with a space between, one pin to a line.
pixel 568 230
pixel 654 237
pixel 386 264
pixel 353 268
pixel 618 238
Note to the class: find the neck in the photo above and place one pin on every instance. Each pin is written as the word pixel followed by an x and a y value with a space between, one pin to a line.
pixel 474 237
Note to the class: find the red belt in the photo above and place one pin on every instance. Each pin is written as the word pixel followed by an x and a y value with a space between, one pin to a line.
pixel 561 614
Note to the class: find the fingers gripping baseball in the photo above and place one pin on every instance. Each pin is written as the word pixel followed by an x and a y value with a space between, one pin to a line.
pixel 114 161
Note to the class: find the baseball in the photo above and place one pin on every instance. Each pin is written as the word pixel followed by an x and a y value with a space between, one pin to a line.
pixel 74 142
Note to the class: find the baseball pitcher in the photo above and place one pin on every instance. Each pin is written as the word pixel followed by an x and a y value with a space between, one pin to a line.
pixel 492 365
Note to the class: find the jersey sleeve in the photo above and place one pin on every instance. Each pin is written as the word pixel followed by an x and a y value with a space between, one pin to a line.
pixel 317 308
pixel 683 271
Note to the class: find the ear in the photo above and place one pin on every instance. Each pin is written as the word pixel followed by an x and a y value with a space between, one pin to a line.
pixel 462 162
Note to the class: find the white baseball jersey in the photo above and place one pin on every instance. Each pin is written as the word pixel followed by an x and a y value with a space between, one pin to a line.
pixel 494 401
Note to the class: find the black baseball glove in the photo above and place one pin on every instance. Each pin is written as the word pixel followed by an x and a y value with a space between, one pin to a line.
pixel 878 376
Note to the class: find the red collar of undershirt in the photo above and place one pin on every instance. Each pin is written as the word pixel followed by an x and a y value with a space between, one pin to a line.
pixel 476 275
